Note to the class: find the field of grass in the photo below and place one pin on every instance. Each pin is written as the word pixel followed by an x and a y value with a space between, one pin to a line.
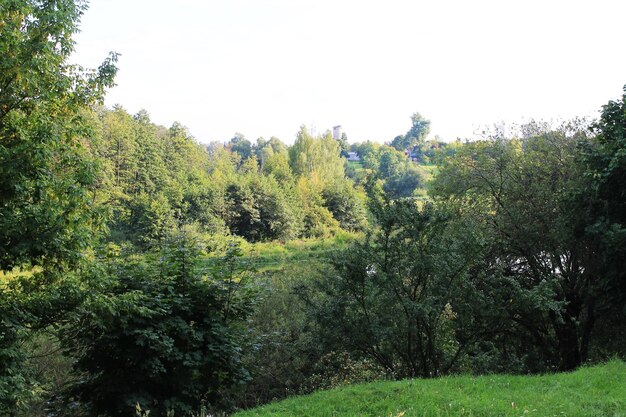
pixel 430 170
pixel 271 256
pixel 357 166
pixel 598 391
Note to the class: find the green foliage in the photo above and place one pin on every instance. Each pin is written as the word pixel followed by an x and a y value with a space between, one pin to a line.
pixel 316 156
pixel 415 137
pixel 50 371
pixel 589 392
pixel 277 255
pixel 241 146
pixel 346 204
pixel 47 218
pixel 520 193
pixel 273 159
pixel 606 167
pixel 152 219
pixel 257 208
pixel 344 147
pixel 401 177
pixel 31 303
pixel 364 148
pixel 355 171
pixel 518 265
pixel 339 369
pixel 45 173
pixel 154 179
pixel 318 220
pixel 283 354
pixel 162 334
pixel 603 223
pixel 398 296
pixel 283 348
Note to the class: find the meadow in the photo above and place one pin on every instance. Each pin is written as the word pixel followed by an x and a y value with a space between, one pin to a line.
pixel 598 391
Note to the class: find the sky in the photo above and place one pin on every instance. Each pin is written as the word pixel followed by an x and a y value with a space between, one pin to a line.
pixel 265 67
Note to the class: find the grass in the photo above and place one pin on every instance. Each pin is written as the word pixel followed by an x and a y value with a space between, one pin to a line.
pixel 430 170
pixel 357 166
pixel 273 256
pixel 598 391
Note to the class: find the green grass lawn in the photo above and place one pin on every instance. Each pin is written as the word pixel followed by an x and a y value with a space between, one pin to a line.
pixel 598 391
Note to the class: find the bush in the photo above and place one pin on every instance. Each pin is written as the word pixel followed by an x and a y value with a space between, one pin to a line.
pixel 163 333
pixel 337 369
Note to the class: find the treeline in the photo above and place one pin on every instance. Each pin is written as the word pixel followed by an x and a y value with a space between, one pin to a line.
pixel 155 179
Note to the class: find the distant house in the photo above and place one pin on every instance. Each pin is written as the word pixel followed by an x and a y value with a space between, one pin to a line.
pixel 353 156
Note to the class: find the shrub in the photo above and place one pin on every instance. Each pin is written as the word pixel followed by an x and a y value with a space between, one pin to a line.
pixel 163 333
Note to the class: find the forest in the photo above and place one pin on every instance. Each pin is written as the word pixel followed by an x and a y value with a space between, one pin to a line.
pixel 145 273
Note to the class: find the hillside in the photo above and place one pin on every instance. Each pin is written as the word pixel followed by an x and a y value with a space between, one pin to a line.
pixel 591 391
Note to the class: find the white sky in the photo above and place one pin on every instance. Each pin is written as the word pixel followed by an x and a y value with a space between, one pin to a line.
pixel 265 67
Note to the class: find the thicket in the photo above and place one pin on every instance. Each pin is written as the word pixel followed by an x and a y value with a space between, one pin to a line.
pixel 505 270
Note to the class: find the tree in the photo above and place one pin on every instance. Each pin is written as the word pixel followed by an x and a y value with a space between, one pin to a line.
pixel 364 148
pixel 400 175
pixel 606 166
pixel 122 150
pixel 319 156
pixel 344 146
pixel 415 137
pixel 153 179
pixel 604 200
pixel 258 209
pixel 420 127
pixel 164 334
pixel 241 146
pixel 521 193
pixel 403 295
pixel 46 173
pixel 276 164
pixel 318 220
pixel 346 204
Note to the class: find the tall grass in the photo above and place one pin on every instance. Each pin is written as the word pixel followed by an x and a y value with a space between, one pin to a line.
pixel 275 255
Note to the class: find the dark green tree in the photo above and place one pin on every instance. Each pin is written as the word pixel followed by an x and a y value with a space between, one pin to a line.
pixel 606 165
pixel 241 146
pixel 164 334
pixel 258 209
pixel 415 137
pixel 47 218
pixel 45 171
pixel 604 200
pixel 346 204
pixel 521 193
pixel 400 176
pixel 404 295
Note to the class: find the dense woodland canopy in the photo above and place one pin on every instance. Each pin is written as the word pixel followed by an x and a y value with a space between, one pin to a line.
pixel 127 280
